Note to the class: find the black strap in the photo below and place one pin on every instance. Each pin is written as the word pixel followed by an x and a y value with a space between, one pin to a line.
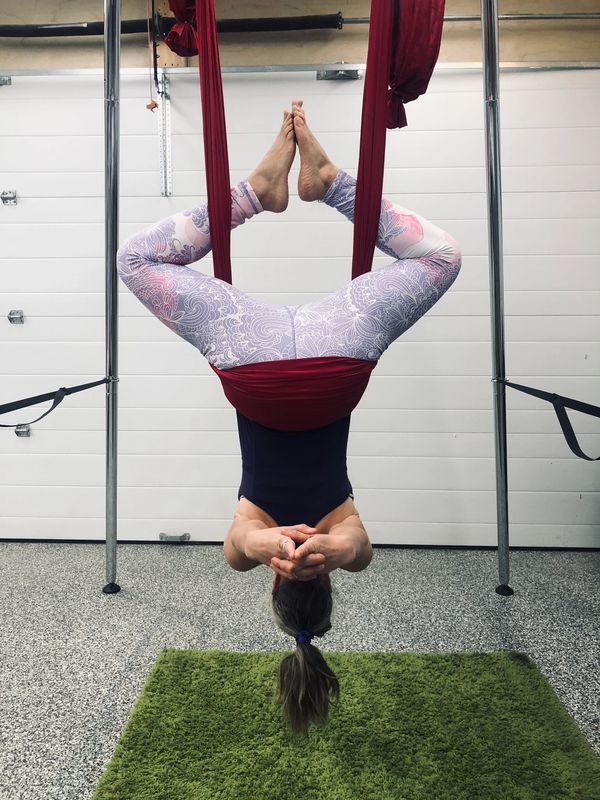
pixel 57 397
pixel 559 402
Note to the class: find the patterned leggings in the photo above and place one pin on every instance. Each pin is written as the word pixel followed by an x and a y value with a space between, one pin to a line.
pixel 230 328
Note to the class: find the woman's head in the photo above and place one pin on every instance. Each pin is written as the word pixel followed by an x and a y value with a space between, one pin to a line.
pixel 306 683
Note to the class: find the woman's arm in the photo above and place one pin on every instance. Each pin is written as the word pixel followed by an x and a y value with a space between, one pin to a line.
pixel 355 532
pixel 235 542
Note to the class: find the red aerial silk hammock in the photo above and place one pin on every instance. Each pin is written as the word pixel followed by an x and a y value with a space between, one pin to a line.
pixel 187 40
pixel 404 43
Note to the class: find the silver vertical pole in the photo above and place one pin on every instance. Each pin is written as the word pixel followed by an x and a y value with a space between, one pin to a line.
pixel 489 26
pixel 112 34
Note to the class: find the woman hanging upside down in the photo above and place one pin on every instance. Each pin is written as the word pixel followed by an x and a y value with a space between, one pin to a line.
pixel 294 375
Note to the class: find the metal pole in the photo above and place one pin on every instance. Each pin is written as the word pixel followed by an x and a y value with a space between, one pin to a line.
pixel 501 18
pixel 112 17
pixel 489 27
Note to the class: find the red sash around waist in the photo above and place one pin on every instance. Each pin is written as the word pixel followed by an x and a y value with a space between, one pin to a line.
pixel 297 394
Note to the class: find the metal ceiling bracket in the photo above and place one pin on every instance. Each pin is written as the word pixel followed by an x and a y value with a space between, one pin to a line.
pixel 5 80
pixel 164 137
pixel 338 74
pixel 22 430
pixel 9 197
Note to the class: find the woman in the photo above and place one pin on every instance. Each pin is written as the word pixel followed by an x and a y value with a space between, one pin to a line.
pixel 294 374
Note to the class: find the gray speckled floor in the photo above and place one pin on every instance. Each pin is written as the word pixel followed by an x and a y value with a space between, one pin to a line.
pixel 73 660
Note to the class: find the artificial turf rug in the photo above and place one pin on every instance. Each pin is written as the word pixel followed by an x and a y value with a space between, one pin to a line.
pixel 408 726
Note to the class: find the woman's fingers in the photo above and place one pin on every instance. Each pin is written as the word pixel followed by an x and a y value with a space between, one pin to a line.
pixel 289 569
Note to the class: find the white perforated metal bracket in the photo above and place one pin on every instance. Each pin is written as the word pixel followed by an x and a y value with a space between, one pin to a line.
pixel 164 137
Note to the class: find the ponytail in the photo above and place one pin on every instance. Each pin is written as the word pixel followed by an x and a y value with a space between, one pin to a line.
pixel 306 685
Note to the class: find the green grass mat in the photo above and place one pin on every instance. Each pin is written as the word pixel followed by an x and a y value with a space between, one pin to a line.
pixel 409 726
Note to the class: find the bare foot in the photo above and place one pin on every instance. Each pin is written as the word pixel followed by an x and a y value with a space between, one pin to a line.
pixel 270 179
pixel 317 172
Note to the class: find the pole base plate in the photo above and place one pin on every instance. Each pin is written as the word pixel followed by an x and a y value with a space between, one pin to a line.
pixel 505 590
pixel 111 588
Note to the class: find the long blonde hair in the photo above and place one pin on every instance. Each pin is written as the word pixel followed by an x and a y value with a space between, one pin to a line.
pixel 306 683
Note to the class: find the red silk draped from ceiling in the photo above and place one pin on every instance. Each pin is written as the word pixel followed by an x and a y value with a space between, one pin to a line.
pixel 404 43
pixel 181 39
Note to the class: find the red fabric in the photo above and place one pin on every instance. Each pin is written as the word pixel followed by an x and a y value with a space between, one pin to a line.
pixel 415 52
pixel 181 39
pixel 196 32
pixel 371 159
pixel 297 394
pixel 216 158
pixel 404 43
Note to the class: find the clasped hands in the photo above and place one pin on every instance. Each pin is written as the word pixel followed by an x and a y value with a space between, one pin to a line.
pixel 317 553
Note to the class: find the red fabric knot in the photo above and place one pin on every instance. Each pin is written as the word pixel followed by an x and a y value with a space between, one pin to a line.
pixel 181 39
pixel 396 113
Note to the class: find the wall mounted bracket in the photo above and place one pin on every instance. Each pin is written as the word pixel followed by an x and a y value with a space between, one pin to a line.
pixel 9 197
pixel 174 538
pixel 16 316
pixel 338 74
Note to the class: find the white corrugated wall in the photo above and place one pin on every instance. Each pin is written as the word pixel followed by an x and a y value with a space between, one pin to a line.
pixel 421 453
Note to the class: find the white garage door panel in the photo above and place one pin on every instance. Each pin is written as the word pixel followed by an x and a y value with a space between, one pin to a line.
pixel 568 302
pixel 551 329
pixel 465 534
pixel 537 237
pixel 56 117
pixel 60 330
pixel 174 418
pixel 368 472
pixel 382 392
pixel 445 79
pixel 147 210
pixel 437 148
pixel 146 330
pixel 379 505
pixel 80 240
pixel 262 239
pixel 42 153
pixel 363 420
pixel 206 442
pixel 551 178
pixel 453 303
pixel 85 183
pixel 64 87
pixel 59 303
pixel 292 274
pixel 421 450
pixel 442 179
pixel 191 182
pixel 22 274
pixel 536 507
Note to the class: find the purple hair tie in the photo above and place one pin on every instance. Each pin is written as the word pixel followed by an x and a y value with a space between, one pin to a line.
pixel 303 637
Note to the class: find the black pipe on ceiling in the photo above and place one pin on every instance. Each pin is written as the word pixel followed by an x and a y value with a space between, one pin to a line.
pixel 164 24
